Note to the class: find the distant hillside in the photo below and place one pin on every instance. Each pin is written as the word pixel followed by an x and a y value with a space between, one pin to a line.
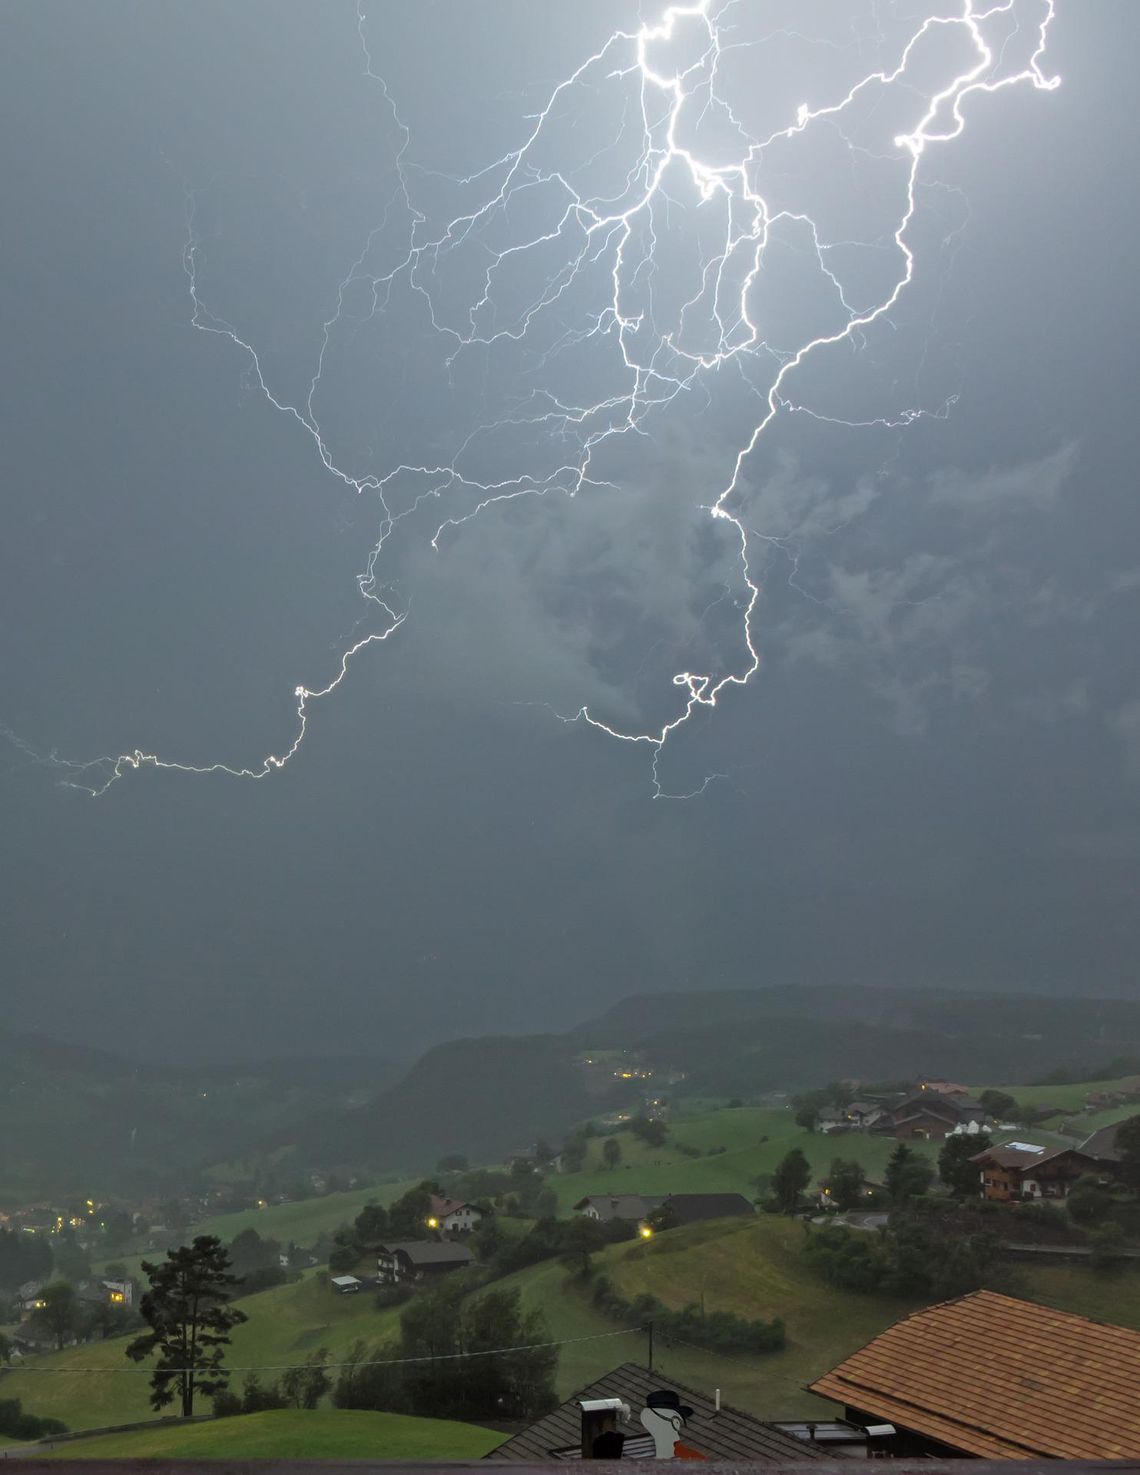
pixel 489 1096
pixel 483 1097
pixel 740 1041
pixel 78 1118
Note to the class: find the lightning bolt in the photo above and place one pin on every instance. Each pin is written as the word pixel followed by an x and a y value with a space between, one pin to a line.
pixel 605 236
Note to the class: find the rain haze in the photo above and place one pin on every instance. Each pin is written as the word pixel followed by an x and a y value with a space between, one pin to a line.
pixel 282 285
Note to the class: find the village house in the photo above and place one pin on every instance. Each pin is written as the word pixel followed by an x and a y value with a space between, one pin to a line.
pixel 453 1216
pixel 862 1115
pixel 1021 1171
pixel 995 1378
pixel 694 1208
pixel 109 1293
pixel 939 1087
pixel 1102 1149
pixel 420 1259
pixel 929 1117
pixel 629 1206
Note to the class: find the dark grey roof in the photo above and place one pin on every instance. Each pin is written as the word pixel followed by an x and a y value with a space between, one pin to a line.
pixel 620 1205
pixel 692 1207
pixel 1013 1157
pixel 1102 1144
pixel 728 1435
pixel 429 1251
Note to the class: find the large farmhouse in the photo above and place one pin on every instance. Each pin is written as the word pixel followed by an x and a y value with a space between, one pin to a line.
pixel 1022 1171
pixel 419 1259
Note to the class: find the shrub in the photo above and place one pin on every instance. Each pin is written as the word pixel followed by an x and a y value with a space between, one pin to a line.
pixel 16 1424
pixel 718 1331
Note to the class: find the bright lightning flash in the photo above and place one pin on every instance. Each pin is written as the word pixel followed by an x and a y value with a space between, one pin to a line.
pixel 604 237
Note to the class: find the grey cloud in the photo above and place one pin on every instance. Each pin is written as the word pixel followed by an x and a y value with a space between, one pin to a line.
pixel 1125 728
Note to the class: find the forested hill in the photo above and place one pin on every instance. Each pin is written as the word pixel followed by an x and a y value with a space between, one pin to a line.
pixel 76 1117
pixel 79 1118
pixel 490 1096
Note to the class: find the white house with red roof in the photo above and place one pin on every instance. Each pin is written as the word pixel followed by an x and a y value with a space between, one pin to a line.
pixel 453 1215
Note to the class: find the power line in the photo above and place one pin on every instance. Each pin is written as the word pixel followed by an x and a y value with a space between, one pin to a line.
pixel 363 1362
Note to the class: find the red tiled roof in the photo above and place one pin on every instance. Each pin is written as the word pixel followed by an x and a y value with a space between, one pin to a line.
pixel 1001 1378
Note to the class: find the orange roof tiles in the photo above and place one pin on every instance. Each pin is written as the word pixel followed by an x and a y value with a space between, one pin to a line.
pixel 1001 1378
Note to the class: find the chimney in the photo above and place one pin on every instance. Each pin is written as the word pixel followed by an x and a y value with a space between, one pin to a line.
pixel 600 1436
pixel 718 1400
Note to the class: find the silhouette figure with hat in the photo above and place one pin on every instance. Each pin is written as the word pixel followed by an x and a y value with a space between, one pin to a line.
pixel 664 1416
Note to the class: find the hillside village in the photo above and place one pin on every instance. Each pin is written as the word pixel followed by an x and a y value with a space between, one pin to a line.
pixel 841 1185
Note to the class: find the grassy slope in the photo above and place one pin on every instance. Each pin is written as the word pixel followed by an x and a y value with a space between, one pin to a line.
pixel 285 1325
pixel 741 1131
pixel 302 1222
pixel 296 1434
pixel 755 1268
pixel 1069 1097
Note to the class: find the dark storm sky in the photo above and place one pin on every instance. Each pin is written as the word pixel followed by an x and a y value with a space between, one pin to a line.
pixel 932 779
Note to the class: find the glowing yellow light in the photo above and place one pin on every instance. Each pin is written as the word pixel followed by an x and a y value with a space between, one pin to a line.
pixel 646 1232
pixel 433 1223
pixel 116 1295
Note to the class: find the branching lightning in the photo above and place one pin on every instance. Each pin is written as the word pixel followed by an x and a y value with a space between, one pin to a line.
pixel 599 234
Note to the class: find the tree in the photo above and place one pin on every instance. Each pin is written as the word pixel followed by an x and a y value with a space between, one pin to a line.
pixel 845 1178
pixel 807 1116
pixel 611 1152
pixel 583 1236
pixel 960 1175
pixel 116 1270
pixel 249 1253
pixel 60 1313
pixel 651 1130
pixel 510 1378
pixel 71 1262
pixel 16 1424
pixel 792 1176
pixel 23 1257
pixel 908 1175
pixel 5 1349
pixel 408 1216
pixel 258 1397
pixel 1128 1145
pixel 190 1321
pixel 998 1104
pixel 304 1387
pixel 1107 1243
pixel 109 1319
pixel 1089 1200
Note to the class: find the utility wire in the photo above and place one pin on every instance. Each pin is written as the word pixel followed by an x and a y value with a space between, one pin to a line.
pixel 380 1362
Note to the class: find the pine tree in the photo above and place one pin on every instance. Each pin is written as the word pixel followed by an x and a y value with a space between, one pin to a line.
pixel 190 1322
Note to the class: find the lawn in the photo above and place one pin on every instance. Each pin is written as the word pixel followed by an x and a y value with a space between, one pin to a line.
pixel 294 1434
pixel 755 1139
pixel 1068 1097
pixel 753 1267
pixel 303 1221
pixel 285 1324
